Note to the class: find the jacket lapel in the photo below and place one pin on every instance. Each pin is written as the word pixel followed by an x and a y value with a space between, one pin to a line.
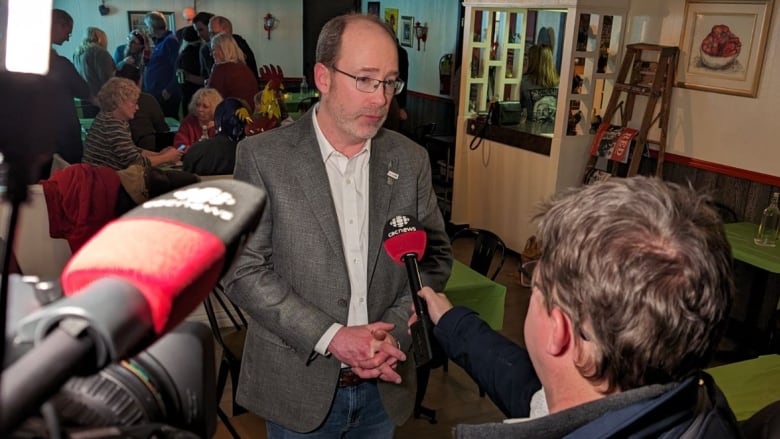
pixel 381 185
pixel 313 178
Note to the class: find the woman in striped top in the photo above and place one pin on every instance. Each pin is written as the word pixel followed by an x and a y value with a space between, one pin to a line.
pixel 109 142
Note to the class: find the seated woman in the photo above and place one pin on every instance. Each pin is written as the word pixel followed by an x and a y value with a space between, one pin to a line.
pixel 217 156
pixel 199 124
pixel 108 141
pixel 230 75
pixel 149 121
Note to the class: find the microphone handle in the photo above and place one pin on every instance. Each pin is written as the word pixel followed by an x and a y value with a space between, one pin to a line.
pixel 422 329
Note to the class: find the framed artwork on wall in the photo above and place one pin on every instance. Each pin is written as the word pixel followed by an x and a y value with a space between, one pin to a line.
pixel 722 45
pixel 391 18
pixel 373 8
pixel 407 31
pixel 135 20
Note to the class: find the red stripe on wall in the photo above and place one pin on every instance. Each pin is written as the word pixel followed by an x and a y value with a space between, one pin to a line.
pixel 772 180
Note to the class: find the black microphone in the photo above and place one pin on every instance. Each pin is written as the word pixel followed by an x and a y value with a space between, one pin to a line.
pixel 135 280
pixel 404 241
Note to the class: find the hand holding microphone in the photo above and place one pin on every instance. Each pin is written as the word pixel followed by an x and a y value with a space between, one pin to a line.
pixel 405 240
pixel 438 304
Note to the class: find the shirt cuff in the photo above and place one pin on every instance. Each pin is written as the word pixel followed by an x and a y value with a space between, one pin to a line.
pixel 322 346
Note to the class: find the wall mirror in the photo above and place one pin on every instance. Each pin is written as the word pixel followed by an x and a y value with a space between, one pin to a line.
pixel 509 50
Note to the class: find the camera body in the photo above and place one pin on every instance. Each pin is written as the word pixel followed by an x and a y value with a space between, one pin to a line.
pixel 167 389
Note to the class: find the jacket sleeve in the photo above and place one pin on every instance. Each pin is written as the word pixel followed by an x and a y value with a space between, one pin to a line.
pixel 501 368
pixel 437 264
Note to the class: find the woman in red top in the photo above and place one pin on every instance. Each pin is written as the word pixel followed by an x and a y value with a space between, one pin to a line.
pixel 230 75
pixel 199 124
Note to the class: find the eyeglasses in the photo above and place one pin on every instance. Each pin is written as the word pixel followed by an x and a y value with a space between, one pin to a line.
pixel 369 85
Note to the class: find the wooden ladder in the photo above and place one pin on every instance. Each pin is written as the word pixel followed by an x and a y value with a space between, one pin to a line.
pixel 647 70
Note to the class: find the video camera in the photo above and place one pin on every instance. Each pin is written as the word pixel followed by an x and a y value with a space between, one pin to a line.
pixel 166 391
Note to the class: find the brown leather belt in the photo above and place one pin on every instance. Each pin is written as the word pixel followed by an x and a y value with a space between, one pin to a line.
pixel 347 378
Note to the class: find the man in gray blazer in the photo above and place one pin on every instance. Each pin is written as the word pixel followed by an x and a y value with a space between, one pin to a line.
pixel 328 306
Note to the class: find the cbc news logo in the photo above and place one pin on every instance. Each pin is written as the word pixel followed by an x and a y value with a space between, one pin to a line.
pixel 399 221
pixel 209 200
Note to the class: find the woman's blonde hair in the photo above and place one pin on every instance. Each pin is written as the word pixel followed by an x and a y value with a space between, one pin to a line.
pixel 230 50
pixel 115 92
pixel 541 66
pixel 210 95
pixel 94 37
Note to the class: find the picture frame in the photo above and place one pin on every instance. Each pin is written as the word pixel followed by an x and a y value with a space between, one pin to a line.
pixel 372 8
pixel 135 20
pixel 407 31
pixel 391 18
pixel 723 44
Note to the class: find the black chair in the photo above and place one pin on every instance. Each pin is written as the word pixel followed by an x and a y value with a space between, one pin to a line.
pixel 486 245
pixel 232 344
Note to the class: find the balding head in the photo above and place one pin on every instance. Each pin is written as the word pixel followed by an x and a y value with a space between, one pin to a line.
pixel 188 14
pixel 220 25
pixel 61 26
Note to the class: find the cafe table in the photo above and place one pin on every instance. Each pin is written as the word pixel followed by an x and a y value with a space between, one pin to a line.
pixel 749 385
pixel 292 100
pixel 86 124
pixel 473 290
pixel 760 283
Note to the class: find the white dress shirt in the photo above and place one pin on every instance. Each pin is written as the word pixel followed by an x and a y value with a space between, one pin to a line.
pixel 348 179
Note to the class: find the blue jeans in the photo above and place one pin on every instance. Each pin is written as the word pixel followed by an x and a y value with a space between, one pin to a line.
pixel 357 412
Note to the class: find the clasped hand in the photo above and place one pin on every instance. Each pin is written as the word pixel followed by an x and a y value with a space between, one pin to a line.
pixel 370 350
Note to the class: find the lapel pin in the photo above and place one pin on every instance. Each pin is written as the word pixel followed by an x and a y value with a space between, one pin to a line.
pixel 391 176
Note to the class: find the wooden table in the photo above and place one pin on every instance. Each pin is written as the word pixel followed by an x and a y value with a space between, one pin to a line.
pixel 468 288
pixel 757 277
pixel 749 385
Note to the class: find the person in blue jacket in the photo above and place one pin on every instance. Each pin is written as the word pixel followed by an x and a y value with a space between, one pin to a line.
pixel 160 74
pixel 628 302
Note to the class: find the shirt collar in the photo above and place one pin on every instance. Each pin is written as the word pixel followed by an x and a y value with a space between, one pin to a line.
pixel 326 148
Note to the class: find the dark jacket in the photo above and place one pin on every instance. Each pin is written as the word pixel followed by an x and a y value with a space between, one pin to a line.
pixel 215 156
pixel 694 408
pixel 66 123
pixel 249 56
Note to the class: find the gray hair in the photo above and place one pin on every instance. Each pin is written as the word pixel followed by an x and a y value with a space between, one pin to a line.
pixel 643 270
pixel 329 40
pixel 210 95
pixel 155 21
pixel 115 92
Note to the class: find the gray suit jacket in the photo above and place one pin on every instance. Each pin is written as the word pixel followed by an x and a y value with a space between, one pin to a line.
pixel 292 278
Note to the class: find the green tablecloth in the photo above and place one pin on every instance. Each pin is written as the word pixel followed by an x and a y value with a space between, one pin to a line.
pixel 740 236
pixel 468 288
pixel 293 99
pixel 749 385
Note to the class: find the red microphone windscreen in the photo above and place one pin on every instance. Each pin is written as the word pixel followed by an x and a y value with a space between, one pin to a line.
pixel 403 235
pixel 173 264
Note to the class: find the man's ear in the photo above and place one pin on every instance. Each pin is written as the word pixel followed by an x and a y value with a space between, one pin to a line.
pixel 322 75
pixel 560 336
